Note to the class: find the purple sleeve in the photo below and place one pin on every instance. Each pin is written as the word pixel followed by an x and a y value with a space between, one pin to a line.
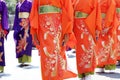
pixel 30 6
pixel 15 19
pixel 5 16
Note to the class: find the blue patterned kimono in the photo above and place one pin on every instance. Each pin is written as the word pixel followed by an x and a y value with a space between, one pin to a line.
pixel 22 12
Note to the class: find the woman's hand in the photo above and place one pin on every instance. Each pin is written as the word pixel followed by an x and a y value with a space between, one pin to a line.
pixel 24 23
pixel 2 34
pixel 35 40
pixel 97 34
pixel 65 39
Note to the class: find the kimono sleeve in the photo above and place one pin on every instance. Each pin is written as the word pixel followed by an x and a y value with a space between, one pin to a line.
pixel 34 17
pixel 110 13
pixel 16 22
pixel 91 20
pixel 98 17
pixel 15 19
pixel 67 17
pixel 5 17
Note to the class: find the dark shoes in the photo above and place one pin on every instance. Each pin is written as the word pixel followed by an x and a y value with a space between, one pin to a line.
pixel 1 71
pixel 23 65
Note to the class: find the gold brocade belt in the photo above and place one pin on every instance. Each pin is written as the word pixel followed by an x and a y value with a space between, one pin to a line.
pixel 23 14
pixel 80 14
pixel 48 9
pixel 118 10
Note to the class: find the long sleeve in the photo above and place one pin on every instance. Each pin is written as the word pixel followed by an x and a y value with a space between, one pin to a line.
pixel 98 18
pixel 5 17
pixel 16 19
pixel 91 20
pixel 34 17
pixel 115 23
pixel 34 21
pixel 15 25
pixel 67 17
pixel 110 14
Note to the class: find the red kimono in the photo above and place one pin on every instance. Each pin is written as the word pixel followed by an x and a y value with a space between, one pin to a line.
pixel 86 23
pixel 118 28
pixel 51 20
pixel 106 47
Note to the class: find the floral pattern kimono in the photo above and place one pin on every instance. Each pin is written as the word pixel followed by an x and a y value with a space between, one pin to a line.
pixel 86 23
pixel 22 36
pixel 106 51
pixel 51 20
pixel 118 28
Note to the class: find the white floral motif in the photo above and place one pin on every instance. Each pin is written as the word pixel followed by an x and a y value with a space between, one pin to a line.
pixel 106 47
pixel 118 48
pixel 82 26
pixel 88 52
pixel 104 51
pixel 53 28
pixel 118 37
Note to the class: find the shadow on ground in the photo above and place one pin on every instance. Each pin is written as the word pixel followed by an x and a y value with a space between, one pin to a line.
pixel 115 75
pixel 4 75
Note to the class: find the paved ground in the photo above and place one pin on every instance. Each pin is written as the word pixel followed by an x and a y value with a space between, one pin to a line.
pixel 13 72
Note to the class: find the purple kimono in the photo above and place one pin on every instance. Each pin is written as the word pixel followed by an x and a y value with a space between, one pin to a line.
pixel 3 28
pixel 21 12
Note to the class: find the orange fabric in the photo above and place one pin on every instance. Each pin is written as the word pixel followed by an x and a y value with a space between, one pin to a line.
pixel 118 29
pixel 110 11
pixel 73 2
pixel 72 41
pixel 117 3
pixel 84 29
pixel 94 18
pixel 50 29
pixel 106 45
pixel 85 56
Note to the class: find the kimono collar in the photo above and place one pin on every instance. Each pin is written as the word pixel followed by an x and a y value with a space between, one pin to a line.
pixel 1 0
pixel 20 3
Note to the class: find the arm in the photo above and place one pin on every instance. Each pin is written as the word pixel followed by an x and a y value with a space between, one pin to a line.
pixel 5 19
pixel 34 22
pixel 98 21
pixel 90 21
pixel 15 19
pixel 110 13
pixel 67 20
pixel 15 24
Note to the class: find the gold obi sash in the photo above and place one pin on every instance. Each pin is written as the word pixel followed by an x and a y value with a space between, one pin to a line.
pixel 80 14
pixel 48 9
pixel 23 15
pixel 118 10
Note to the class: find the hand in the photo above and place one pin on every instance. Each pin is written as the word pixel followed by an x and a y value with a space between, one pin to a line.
pixel 35 40
pixel 2 34
pixel 65 39
pixel 97 34
pixel 24 23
